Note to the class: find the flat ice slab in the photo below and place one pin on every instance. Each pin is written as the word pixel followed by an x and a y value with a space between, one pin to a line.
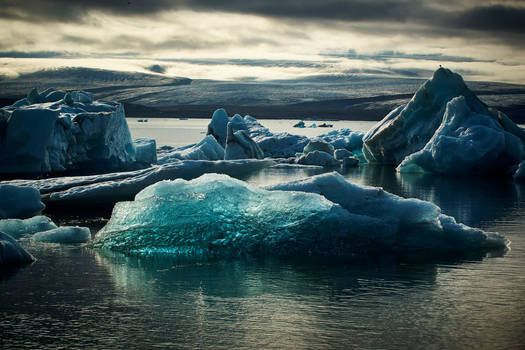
pixel 215 215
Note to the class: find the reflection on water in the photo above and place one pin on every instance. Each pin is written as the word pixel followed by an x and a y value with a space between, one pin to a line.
pixel 77 297
pixel 470 200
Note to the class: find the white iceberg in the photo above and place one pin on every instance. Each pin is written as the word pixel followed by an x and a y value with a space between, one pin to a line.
pixel 280 145
pixel 17 228
pixel 207 149
pixel 40 134
pixel 325 215
pixel 63 234
pixel 318 158
pixel 466 142
pixel 19 201
pixel 318 145
pixel 145 150
pixel 240 146
pixel 343 138
pixel 409 128
pixel 11 253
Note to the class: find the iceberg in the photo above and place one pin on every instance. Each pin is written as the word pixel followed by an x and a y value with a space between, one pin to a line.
pixel 17 228
pixel 63 234
pixel 207 149
pixel 350 162
pixel 102 191
pixel 318 158
pixel 11 253
pixel 343 138
pixel 19 201
pixel 280 145
pixel 145 150
pixel 342 153
pixel 321 146
pixel 217 216
pixel 432 115
pixel 40 134
pixel 466 142
pixel 240 146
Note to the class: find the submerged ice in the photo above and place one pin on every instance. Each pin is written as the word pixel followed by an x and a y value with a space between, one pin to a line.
pixel 215 215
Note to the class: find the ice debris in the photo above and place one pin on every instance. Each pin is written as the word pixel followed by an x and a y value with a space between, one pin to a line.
pixel 450 128
pixel 240 146
pixel 321 146
pixel 11 253
pixel 17 228
pixel 341 153
pixel 207 149
pixel 19 202
pixel 318 158
pixel 215 215
pixel 63 234
pixel 101 191
pixel 42 133
pixel 145 150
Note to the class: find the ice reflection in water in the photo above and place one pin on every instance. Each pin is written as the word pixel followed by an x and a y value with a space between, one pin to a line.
pixel 76 297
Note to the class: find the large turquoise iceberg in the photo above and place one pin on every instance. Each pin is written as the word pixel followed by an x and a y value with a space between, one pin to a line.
pixel 215 215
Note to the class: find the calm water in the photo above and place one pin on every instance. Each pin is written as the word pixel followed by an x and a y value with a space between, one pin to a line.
pixel 75 297
pixel 176 132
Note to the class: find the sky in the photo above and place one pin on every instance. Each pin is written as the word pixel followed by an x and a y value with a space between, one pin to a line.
pixel 267 39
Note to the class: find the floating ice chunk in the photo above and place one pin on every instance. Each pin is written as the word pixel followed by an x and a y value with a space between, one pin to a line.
pixel 408 128
pixel 350 162
pixel 318 158
pixel 145 150
pixel 19 202
pixel 342 153
pixel 218 126
pixel 113 188
pixel 466 142
pixel 344 138
pixel 318 146
pixel 299 124
pixel 17 228
pixel 322 215
pixel 43 134
pixel 207 149
pixel 11 253
pixel 280 145
pixel 240 146
pixel 64 234
pixel 520 172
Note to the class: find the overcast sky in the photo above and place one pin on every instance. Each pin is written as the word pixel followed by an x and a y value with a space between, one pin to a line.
pixel 266 39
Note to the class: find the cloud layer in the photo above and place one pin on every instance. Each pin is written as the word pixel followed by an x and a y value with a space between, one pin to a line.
pixel 289 37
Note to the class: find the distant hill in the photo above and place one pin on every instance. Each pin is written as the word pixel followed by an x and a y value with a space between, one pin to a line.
pixel 345 97
pixel 83 78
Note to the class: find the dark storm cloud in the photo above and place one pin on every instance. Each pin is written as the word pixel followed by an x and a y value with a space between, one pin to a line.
pixel 248 62
pixel 31 54
pixel 501 20
pixel 390 55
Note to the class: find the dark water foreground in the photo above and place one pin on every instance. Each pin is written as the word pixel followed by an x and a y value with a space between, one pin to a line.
pixel 76 297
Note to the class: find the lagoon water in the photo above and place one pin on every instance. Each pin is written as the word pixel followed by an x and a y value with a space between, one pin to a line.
pixel 76 297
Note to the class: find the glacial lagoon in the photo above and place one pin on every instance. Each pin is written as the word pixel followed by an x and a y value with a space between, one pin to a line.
pixel 75 296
